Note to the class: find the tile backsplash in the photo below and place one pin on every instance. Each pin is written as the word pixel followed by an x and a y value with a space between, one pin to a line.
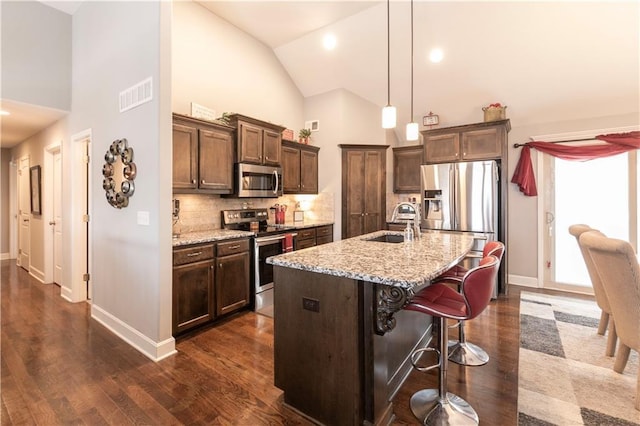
pixel 202 212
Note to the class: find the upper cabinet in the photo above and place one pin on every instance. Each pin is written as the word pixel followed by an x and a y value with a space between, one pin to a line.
pixel 299 168
pixel 406 169
pixel 481 141
pixel 258 142
pixel 203 154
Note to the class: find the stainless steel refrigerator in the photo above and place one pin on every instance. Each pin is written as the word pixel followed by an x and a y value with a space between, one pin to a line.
pixel 462 197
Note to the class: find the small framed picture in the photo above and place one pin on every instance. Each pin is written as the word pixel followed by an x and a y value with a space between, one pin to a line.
pixel 313 125
pixel 34 183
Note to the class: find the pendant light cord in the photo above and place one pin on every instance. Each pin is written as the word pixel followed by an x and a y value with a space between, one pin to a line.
pixel 411 121
pixel 388 58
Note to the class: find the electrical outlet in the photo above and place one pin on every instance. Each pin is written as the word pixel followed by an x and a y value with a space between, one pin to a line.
pixel 176 209
pixel 311 304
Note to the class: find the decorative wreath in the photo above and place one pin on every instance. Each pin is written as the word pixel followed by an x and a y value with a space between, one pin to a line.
pixel 119 149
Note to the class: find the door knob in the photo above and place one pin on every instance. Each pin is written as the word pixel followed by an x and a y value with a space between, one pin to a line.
pixel 53 222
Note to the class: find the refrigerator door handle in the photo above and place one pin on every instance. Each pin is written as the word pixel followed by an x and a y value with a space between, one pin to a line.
pixel 453 205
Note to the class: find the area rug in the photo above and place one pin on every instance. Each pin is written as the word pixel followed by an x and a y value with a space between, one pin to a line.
pixel 564 376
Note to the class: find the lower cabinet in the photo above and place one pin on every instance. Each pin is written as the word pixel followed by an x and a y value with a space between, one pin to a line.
pixel 310 237
pixel 206 286
pixel 232 276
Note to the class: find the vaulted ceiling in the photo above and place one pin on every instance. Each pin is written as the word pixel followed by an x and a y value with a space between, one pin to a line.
pixel 547 61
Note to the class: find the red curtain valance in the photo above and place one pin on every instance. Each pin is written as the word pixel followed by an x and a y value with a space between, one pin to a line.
pixel 617 143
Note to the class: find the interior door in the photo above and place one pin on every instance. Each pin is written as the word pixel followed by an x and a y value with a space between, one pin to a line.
pixel 24 213
pixel 57 218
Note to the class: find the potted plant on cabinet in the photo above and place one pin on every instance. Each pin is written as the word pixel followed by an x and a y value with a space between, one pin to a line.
pixel 304 136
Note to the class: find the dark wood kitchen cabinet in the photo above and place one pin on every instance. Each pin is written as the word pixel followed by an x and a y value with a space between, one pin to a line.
pixel 406 169
pixel 480 141
pixel 258 142
pixel 193 277
pixel 309 237
pixel 203 154
pixel 299 168
pixel 363 189
pixel 232 276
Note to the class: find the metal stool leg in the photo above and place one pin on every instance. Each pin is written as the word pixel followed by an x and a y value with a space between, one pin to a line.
pixel 437 406
pixel 465 353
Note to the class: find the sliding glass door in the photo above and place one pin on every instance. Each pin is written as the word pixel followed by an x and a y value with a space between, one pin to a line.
pixel 601 193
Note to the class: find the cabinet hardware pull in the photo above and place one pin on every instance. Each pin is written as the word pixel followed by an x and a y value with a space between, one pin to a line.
pixel 237 246
pixel 220 265
pixel 193 181
pixel 198 253
pixel 203 182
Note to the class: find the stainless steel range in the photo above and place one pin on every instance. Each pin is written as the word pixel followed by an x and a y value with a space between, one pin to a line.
pixel 270 240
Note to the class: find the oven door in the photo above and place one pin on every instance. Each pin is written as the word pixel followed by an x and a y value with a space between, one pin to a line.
pixel 266 247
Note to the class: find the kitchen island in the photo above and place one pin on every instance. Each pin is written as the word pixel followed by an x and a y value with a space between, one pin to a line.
pixel 341 339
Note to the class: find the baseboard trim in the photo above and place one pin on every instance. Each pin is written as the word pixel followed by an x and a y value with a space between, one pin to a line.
pixel 66 294
pixel 155 351
pixel 37 274
pixel 5 256
pixel 523 281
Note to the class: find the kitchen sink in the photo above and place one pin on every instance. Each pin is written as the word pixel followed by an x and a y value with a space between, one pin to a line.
pixel 389 238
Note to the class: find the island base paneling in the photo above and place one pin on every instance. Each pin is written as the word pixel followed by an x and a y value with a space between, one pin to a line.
pixel 328 360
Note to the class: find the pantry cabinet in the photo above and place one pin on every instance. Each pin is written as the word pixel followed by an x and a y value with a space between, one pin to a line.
pixel 299 168
pixel 258 142
pixel 364 178
pixel 203 154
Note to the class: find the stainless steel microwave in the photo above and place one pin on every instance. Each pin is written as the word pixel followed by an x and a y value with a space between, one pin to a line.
pixel 258 181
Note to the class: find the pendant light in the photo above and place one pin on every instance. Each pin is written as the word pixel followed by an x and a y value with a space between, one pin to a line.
pixel 412 127
pixel 389 111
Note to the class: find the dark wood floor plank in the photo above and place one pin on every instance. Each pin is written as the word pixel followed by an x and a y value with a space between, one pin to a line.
pixel 58 366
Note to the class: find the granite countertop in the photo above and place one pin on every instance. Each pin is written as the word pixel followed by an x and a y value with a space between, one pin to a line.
pixel 225 234
pixel 209 236
pixel 405 264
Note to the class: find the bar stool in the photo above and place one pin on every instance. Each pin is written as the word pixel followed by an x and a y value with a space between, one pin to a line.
pixel 437 406
pixel 460 351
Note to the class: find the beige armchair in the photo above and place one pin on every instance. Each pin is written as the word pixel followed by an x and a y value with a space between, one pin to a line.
pixel 617 266
pixel 601 297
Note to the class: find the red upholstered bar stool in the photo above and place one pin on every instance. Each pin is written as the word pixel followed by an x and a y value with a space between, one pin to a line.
pixel 460 351
pixel 437 406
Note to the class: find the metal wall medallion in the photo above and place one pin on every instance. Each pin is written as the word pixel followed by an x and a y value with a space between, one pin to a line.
pixel 118 173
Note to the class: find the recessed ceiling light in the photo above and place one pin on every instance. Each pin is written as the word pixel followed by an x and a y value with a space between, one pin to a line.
pixel 329 41
pixel 2 112
pixel 436 55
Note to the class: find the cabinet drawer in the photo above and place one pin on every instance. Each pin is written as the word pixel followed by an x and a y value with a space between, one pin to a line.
pixel 303 234
pixel 324 240
pixel 192 254
pixel 302 244
pixel 233 247
pixel 323 231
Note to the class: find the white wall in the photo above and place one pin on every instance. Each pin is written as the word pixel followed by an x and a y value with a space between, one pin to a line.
pixel 5 157
pixel 345 118
pixel 116 45
pixel 221 67
pixel 36 54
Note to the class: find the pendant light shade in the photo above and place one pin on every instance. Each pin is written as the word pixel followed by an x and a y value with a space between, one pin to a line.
pixel 388 112
pixel 388 117
pixel 412 128
pixel 413 132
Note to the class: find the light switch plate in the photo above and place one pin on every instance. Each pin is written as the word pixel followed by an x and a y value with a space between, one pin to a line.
pixel 143 218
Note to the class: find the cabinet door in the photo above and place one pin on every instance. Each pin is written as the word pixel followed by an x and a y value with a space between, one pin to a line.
pixel 271 147
pixel 185 157
pixel 290 170
pixel 232 282
pixel 482 144
pixel 375 191
pixel 308 172
pixel 249 143
pixel 353 199
pixel 442 148
pixel 406 169
pixel 302 244
pixel 193 298
pixel 216 161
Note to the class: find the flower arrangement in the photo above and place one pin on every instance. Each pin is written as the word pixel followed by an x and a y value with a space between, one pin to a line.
pixel 304 135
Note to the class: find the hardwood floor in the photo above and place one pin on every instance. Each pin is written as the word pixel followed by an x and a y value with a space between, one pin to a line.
pixel 58 366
